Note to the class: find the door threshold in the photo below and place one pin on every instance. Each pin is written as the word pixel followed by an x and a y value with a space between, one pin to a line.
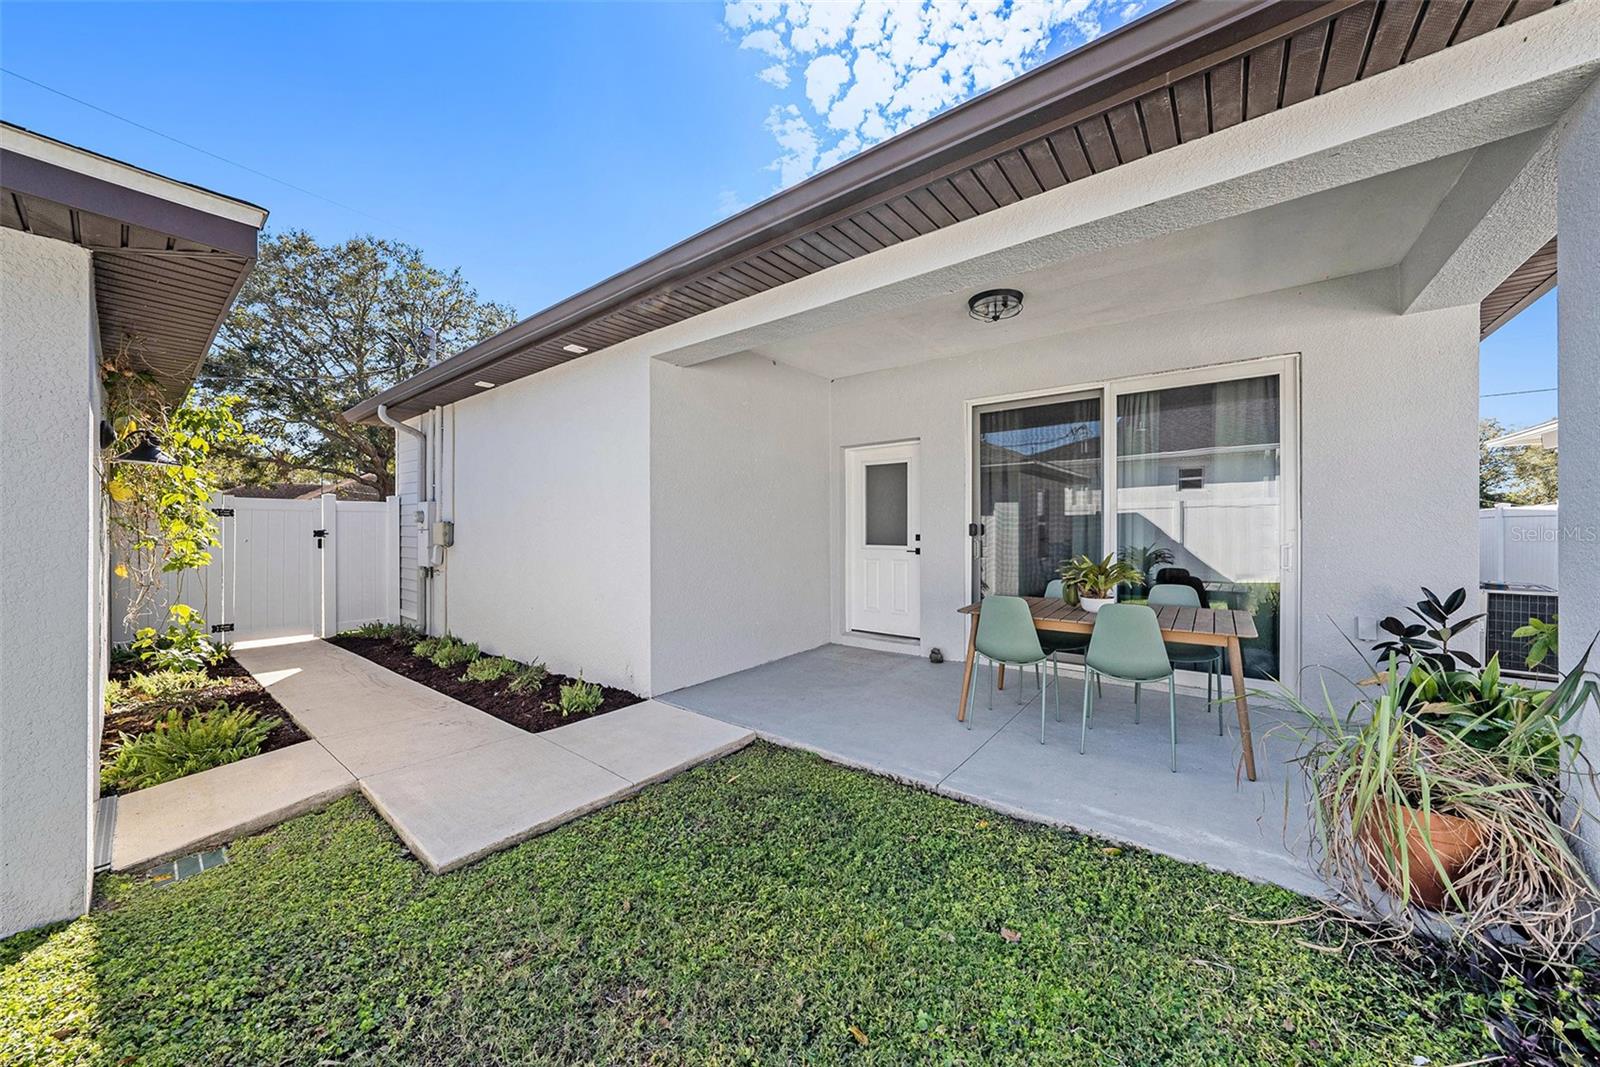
pixel 882 642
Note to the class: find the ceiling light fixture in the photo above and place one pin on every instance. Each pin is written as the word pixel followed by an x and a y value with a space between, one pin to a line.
pixel 576 350
pixel 481 384
pixel 992 305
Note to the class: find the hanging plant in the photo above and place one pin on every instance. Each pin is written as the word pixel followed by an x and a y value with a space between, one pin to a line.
pixel 159 516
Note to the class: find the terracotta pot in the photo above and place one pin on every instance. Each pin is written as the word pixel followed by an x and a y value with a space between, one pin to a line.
pixel 1093 604
pixel 1455 840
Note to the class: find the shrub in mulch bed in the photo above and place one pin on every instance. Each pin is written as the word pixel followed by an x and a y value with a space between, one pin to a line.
pixel 534 709
pixel 132 713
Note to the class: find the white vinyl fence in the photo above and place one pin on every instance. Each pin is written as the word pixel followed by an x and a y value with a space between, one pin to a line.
pixel 1517 545
pixel 285 568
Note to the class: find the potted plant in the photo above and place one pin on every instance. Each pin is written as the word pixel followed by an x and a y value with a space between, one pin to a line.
pixel 1458 791
pixel 1096 581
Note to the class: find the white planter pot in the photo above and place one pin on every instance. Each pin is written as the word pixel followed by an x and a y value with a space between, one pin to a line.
pixel 1092 604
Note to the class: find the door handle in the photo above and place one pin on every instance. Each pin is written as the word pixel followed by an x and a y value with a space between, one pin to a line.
pixel 915 551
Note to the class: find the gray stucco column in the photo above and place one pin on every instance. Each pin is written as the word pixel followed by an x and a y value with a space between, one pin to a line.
pixel 1578 346
pixel 51 585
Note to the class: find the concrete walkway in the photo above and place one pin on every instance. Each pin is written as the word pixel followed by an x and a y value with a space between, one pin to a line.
pixel 456 783
pixel 176 818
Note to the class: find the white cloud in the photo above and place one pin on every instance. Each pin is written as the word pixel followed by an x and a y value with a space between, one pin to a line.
pixel 875 68
pixel 729 203
pixel 767 41
pixel 796 140
pixel 825 76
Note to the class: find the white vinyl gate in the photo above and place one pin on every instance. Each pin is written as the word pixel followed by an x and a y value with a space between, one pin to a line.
pixel 289 567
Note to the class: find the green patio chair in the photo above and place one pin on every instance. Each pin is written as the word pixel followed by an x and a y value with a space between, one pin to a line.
pixel 1126 645
pixel 1061 644
pixel 1199 657
pixel 1006 636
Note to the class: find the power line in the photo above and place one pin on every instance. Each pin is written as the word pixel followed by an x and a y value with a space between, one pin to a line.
pixel 186 144
pixel 1519 392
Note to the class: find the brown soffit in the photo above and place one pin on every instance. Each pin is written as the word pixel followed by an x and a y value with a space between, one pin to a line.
pixel 165 273
pixel 1179 73
pixel 1526 284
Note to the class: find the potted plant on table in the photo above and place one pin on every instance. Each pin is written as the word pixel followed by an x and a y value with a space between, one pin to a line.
pixel 1455 790
pixel 1096 580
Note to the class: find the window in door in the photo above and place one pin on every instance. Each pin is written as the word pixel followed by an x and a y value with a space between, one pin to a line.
pixel 1199 486
pixel 1039 492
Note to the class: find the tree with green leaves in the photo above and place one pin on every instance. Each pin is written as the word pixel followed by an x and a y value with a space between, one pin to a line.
pixel 318 328
pixel 1513 475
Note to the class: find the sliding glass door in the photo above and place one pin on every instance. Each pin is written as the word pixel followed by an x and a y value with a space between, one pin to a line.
pixel 1199 487
pixel 1040 492
pixel 1197 473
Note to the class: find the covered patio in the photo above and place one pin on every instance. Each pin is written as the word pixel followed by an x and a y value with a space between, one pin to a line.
pixel 896 715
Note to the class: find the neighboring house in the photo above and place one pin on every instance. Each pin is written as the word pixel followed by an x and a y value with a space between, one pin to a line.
pixel 93 251
pixel 1543 435
pixel 1254 242
pixel 344 489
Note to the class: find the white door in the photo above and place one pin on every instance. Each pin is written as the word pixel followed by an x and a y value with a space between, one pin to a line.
pixel 275 571
pixel 884 557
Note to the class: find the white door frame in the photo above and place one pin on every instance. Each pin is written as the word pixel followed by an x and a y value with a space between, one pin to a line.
pixel 856 460
pixel 1286 366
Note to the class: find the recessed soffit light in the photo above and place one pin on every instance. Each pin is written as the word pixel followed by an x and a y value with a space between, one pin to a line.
pixel 483 384
pixel 576 350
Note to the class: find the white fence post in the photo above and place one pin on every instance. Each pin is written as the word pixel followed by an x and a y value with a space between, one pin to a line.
pixel 1504 516
pixel 391 560
pixel 328 624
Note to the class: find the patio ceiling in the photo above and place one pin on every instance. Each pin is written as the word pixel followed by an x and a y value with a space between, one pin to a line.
pixel 1175 76
pixel 1349 230
pixel 168 258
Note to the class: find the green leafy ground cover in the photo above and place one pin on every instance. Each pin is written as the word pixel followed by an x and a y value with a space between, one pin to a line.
pixel 769 907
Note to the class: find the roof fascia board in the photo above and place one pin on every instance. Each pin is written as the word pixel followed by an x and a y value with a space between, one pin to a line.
pixel 27 142
pixel 48 181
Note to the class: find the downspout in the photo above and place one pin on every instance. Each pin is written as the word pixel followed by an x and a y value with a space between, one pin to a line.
pixel 424 493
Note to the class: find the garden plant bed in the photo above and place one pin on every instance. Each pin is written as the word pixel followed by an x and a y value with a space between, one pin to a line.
pixel 530 710
pixel 235 687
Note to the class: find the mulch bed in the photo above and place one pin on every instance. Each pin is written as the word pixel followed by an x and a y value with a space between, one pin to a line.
pixel 527 710
pixel 240 690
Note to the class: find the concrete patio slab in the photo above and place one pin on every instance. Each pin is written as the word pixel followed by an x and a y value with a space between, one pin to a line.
pixel 896 715
pixel 205 809
pixel 650 741
pixel 458 808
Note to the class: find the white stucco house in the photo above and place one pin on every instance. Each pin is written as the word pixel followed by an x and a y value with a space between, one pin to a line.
pixel 1256 245
pixel 92 251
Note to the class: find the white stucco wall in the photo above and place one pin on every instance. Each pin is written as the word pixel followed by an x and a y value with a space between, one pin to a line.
pixel 738 517
pixel 51 580
pixel 1578 340
pixel 1388 424
pixel 547 481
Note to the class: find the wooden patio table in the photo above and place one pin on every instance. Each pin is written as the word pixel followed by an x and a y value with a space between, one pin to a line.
pixel 1189 626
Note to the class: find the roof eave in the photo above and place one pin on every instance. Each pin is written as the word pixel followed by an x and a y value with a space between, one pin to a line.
pixel 977 125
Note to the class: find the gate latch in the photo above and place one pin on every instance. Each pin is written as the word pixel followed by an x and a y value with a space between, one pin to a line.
pixel 319 535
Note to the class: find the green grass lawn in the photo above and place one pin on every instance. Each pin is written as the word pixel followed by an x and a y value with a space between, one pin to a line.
pixel 769 907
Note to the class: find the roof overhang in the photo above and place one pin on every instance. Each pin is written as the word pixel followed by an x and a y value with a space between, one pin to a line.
pixel 1544 435
pixel 1182 74
pixel 169 258
pixel 1521 288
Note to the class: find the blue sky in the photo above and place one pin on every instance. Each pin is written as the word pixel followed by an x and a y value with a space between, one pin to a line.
pixel 543 147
